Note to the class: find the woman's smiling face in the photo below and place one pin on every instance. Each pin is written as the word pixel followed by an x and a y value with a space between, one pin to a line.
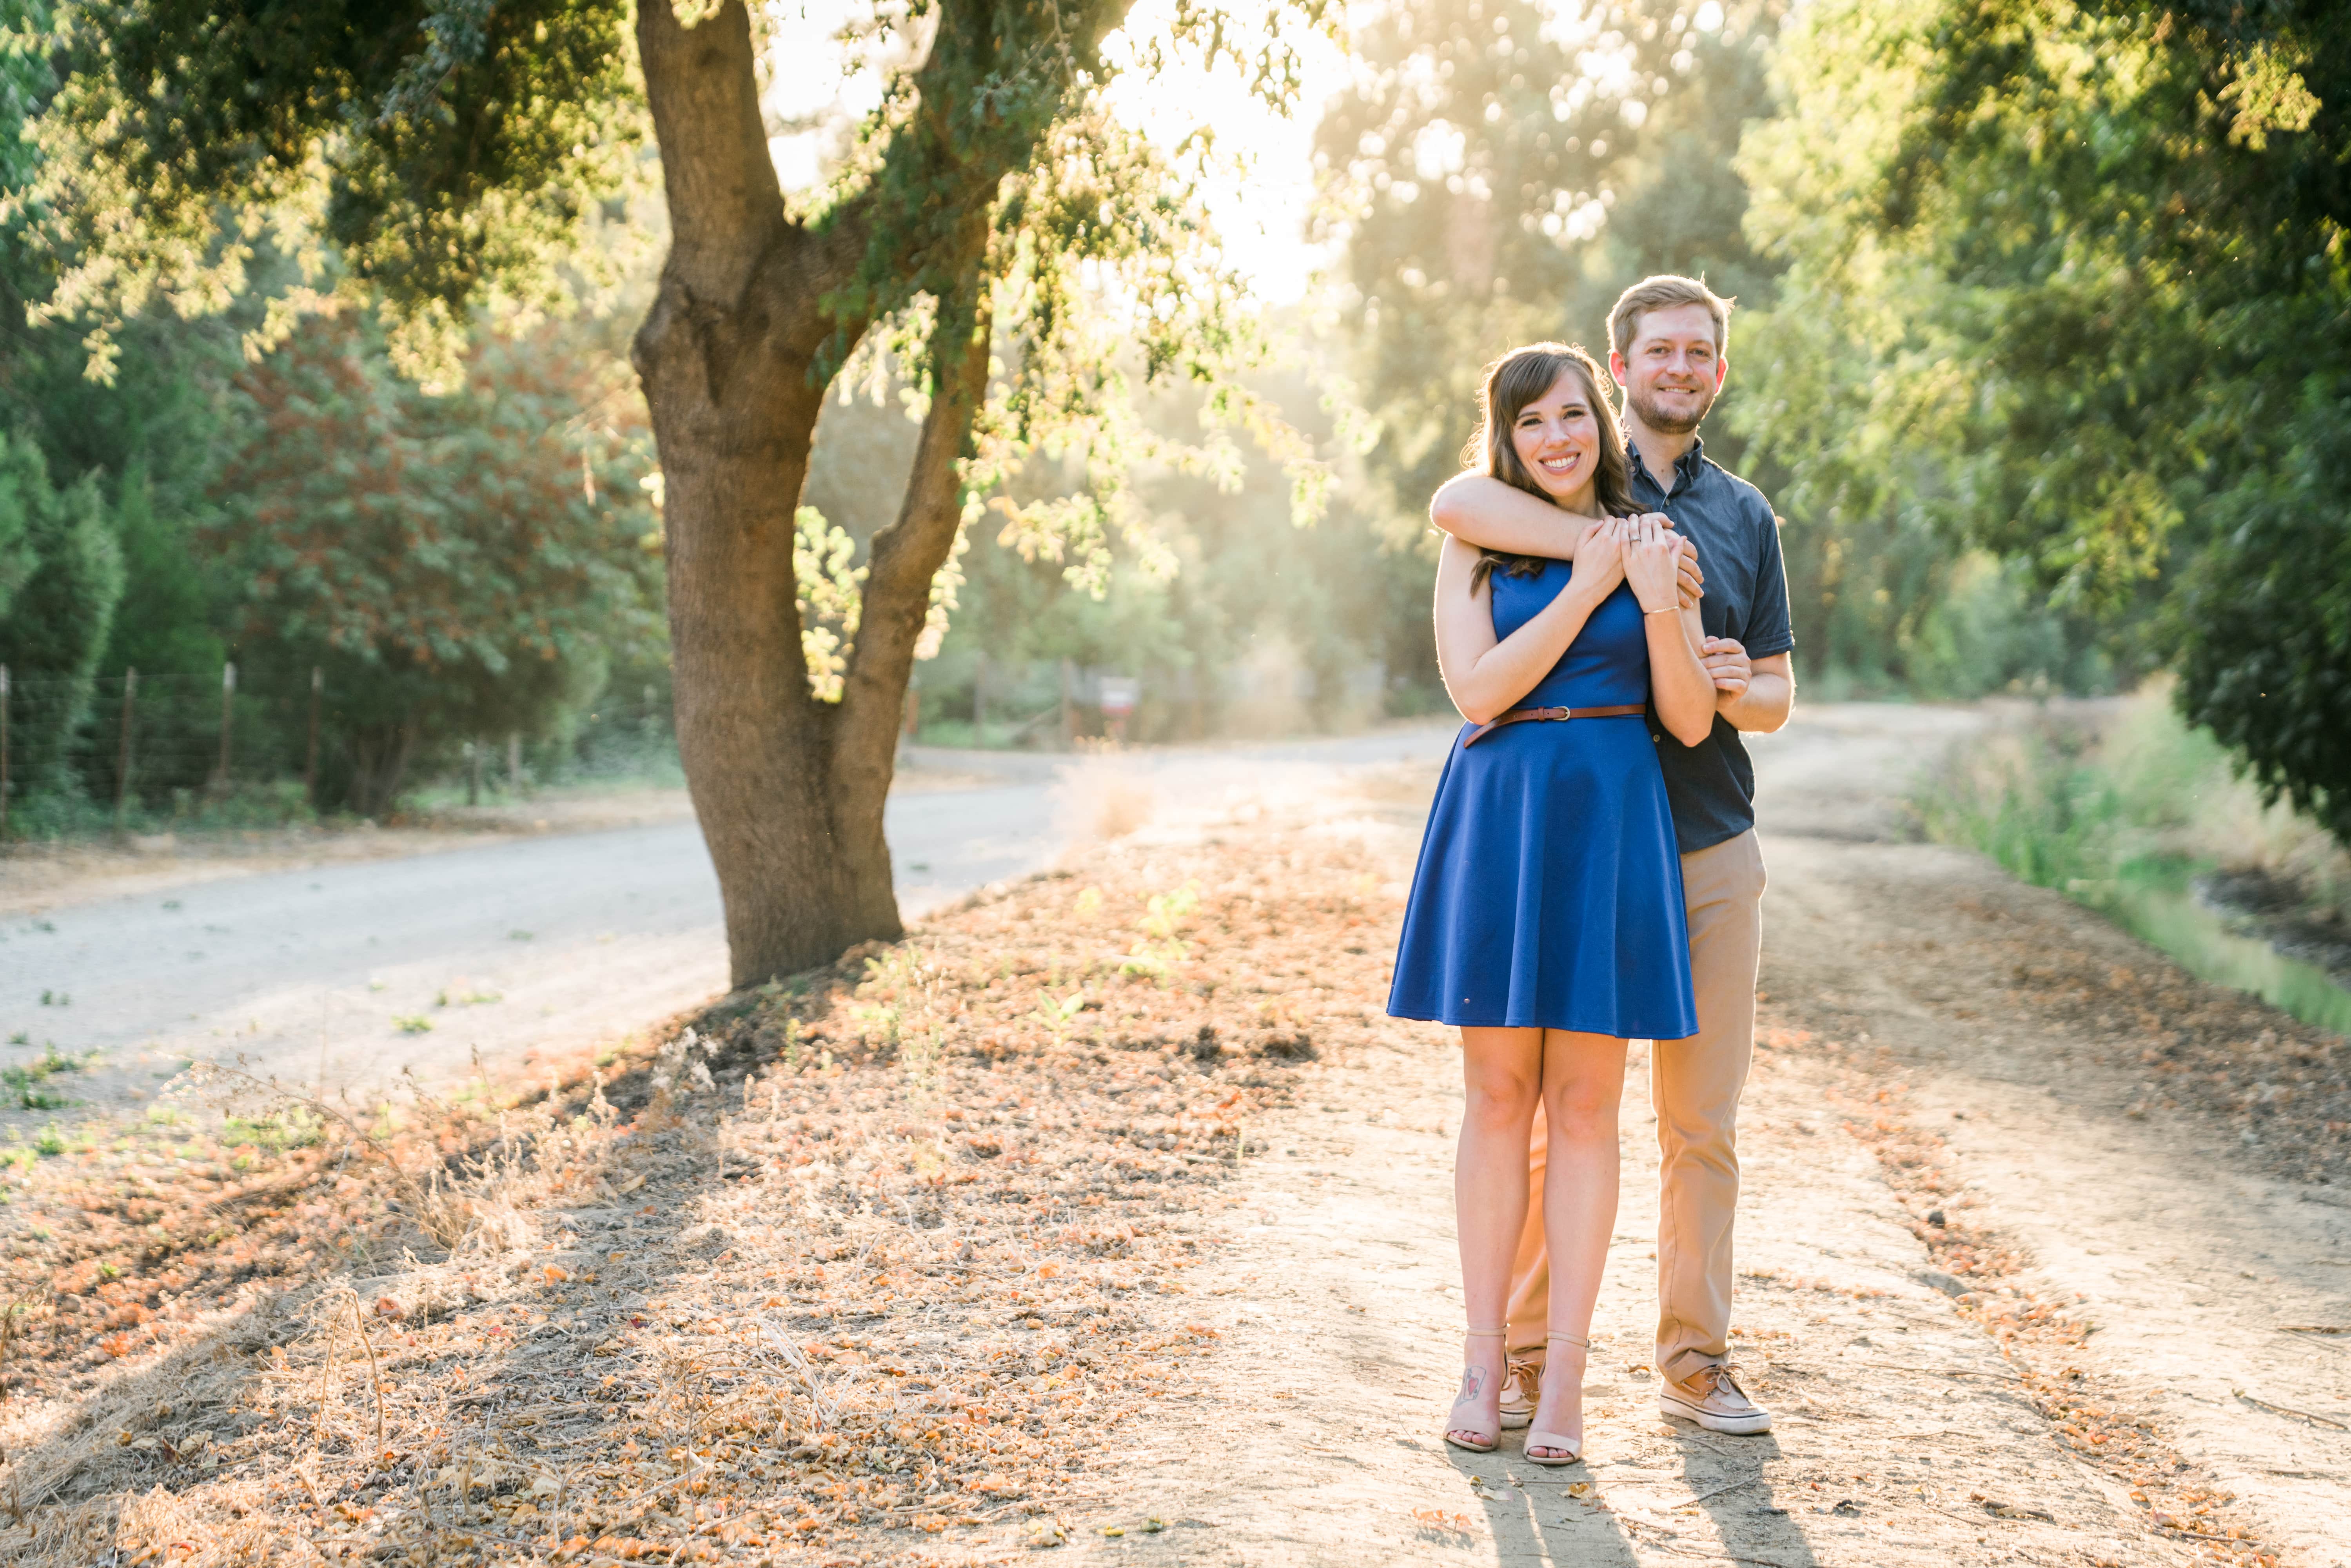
pixel 1557 437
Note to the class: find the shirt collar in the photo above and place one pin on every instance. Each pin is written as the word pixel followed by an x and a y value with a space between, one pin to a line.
pixel 1684 467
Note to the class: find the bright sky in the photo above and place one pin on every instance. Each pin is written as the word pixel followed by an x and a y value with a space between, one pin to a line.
pixel 1258 200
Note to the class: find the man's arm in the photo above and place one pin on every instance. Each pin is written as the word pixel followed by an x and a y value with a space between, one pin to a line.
pixel 1479 509
pixel 1756 695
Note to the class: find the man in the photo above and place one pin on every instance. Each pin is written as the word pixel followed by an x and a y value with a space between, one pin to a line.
pixel 1667 340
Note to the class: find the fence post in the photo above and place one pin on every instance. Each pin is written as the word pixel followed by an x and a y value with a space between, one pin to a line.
pixel 311 757
pixel 979 701
pixel 473 773
pixel 122 753
pixel 228 691
pixel 4 751
pixel 514 763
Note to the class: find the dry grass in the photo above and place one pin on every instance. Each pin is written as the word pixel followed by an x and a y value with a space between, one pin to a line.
pixel 2281 1086
pixel 1105 798
pixel 846 1271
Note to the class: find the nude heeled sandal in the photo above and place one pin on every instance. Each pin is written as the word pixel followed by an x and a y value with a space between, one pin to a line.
pixel 1573 1449
pixel 1491 1443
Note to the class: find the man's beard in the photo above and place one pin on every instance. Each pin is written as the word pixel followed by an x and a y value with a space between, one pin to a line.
pixel 1665 424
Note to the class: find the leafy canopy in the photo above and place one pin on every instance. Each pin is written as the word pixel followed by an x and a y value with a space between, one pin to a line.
pixel 2073 278
pixel 446 157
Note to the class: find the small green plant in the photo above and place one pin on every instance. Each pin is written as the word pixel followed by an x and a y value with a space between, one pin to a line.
pixel 411 1023
pixel 21 1085
pixel 883 1015
pixel 1057 1013
pixel 791 1045
pixel 109 1272
pixel 22 1036
pixel 1160 948
pixel 289 1127
pixel 920 1056
pixel 55 999
pixel 50 1140
pixel 520 935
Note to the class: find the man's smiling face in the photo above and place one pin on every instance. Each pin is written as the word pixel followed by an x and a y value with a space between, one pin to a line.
pixel 1672 370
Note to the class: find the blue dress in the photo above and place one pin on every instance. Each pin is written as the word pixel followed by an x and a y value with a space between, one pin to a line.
pixel 1549 891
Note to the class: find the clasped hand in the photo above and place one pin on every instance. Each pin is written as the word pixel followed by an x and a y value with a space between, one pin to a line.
pixel 1645 552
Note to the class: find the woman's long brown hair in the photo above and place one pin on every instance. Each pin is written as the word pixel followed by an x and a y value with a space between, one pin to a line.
pixel 1512 382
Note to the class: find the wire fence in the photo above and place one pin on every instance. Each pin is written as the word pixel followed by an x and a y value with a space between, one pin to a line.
pixel 129 743
pixel 1057 704
pixel 141 751
pixel 144 751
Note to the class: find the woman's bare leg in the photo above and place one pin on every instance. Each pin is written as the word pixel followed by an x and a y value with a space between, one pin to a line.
pixel 1584 1080
pixel 1501 1074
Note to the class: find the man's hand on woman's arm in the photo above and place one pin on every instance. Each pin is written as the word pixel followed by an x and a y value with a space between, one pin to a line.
pixel 1479 509
pixel 1754 695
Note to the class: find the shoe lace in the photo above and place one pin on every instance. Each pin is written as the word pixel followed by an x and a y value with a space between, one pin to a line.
pixel 1719 1379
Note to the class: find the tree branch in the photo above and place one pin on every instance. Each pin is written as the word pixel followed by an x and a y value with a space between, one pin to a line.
pixel 726 204
pixel 906 557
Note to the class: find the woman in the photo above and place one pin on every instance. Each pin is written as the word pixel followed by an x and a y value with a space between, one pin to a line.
pixel 1546 914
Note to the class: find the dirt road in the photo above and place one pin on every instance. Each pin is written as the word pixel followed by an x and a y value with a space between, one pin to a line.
pixel 340 971
pixel 2020 1285
pixel 2145 1280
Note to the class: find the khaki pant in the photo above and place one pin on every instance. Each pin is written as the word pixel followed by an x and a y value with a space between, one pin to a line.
pixel 1695 1085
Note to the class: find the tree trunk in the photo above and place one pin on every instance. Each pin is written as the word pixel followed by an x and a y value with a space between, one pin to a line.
pixel 790 790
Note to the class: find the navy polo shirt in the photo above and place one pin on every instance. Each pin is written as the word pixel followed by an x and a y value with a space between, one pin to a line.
pixel 1710 787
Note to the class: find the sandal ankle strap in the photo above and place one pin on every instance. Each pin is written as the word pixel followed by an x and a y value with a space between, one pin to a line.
pixel 1571 1339
pixel 1487 1333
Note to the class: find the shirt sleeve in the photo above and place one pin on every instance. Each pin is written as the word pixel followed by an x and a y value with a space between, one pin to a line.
pixel 1768 628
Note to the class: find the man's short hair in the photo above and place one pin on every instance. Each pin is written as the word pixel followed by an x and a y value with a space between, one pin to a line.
pixel 1663 292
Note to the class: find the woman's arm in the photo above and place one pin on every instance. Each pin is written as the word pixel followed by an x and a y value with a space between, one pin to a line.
pixel 1679 683
pixel 1485 676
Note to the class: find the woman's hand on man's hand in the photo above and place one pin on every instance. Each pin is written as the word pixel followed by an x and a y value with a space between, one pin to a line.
pixel 1653 561
pixel 1600 554
pixel 1692 587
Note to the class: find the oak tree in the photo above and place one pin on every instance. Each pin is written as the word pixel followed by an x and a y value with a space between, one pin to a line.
pixel 443 156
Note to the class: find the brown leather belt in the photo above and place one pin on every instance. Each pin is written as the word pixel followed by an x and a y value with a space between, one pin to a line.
pixel 1522 715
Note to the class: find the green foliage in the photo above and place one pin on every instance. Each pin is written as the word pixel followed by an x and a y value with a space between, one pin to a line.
pixel 24 1086
pixel 429 152
pixel 275 1131
pixel 2125 807
pixel 465 565
pixel 58 617
pixel 2070 283
pixel 1228 580
pixel 2263 613
pixel 1500 175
